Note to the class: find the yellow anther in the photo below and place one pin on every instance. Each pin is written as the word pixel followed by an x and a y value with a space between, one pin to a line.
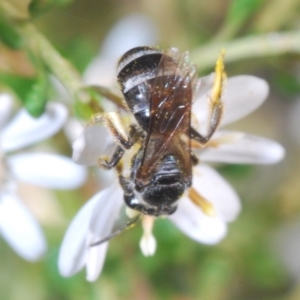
pixel 200 201
pixel 220 77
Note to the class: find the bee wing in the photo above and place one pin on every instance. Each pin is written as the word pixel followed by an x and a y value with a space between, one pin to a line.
pixel 170 112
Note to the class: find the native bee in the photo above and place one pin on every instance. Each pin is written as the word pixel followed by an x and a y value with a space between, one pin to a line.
pixel 159 87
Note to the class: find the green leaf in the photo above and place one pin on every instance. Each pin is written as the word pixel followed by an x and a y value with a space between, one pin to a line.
pixel 80 52
pixel 32 92
pixel 9 35
pixel 37 7
pixel 20 85
pixel 287 83
pixel 35 101
pixel 238 13
pixel 241 10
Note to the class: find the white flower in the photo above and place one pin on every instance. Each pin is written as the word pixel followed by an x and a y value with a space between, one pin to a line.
pixel 75 251
pixel 131 31
pixel 217 202
pixel 17 226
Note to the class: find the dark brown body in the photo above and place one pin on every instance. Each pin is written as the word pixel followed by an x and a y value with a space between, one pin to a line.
pixel 158 89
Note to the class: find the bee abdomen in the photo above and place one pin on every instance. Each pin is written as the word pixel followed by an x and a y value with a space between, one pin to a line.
pixel 137 66
pixel 136 69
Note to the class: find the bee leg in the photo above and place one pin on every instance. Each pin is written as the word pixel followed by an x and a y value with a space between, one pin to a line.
pixel 215 118
pixel 113 161
pixel 216 105
pixel 113 124
pixel 134 135
pixel 128 189
pixel 202 139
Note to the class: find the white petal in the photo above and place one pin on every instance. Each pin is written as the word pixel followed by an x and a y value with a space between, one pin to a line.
pixel 215 189
pixel 25 130
pixel 105 177
pixel 243 94
pixel 101 223
pixel 206 84
pixel 73 128
pixel 93 142
pixel 96 216
pixel 95 261
pixel 6 104
pixel 20 229
pixel 101 71
pixel 47 170
pixel 247 149
pixel 191 219
pixel 73 248
pixel 131 31
pixel 194 223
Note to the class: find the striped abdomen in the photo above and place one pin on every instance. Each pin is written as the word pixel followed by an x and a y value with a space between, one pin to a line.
pixel 136 71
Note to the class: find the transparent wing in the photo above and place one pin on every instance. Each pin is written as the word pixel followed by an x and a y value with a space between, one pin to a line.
pixel 170 106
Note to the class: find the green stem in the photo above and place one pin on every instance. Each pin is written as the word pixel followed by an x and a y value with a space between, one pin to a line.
pixel 251 46
pixel 59 66
pixel 226 32
pixel 204 56
pixel 64 70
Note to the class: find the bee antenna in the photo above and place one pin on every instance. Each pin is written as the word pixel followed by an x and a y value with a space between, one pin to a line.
pixel 128 225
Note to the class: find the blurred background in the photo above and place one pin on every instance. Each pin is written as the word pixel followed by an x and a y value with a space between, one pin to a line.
pixel 260 257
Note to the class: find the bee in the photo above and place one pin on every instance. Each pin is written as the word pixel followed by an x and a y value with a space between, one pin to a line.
pixel 159 88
